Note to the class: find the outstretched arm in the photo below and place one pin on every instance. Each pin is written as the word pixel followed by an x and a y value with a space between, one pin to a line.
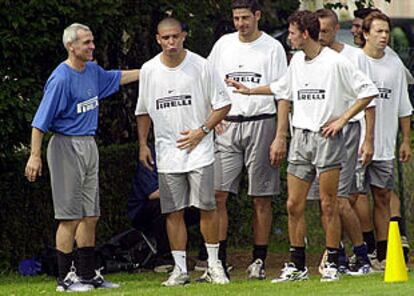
pixel 129 76
pixel 34 164
pixel 242 89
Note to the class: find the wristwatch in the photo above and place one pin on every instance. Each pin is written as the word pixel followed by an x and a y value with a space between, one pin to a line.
pixel 205 129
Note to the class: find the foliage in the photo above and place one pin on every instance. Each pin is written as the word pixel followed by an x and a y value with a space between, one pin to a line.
pixel 358 4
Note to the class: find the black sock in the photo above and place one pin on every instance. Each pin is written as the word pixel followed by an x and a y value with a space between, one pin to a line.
pixel 381 250
pixel 222 253
pixel 369 239
pixel 86 262
pixel 202 252
pixel 401 225
pixel 64 261
pixel 297 256
pixel 260 252
pixel 361 253
pixel 333 255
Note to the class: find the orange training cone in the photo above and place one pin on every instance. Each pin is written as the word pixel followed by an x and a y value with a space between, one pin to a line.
pixel 395 269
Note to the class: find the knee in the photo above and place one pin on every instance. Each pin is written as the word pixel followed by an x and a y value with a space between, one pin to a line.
pixel 294 208
pixel 328 206
pixel 344 206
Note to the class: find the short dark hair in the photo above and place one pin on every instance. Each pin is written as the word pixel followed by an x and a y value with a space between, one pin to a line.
pixel 367 23
pixel 327 13
pixel 248 4
pixel 364 12
pixel 169 21
pixel 306 21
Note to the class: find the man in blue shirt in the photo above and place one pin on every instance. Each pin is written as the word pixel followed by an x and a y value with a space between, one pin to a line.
pixel 69 109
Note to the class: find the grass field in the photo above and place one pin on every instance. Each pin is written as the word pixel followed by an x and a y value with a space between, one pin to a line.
pixel 149 284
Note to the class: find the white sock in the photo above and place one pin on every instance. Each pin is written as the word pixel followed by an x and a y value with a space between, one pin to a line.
pixel 180 260
pixel 212 252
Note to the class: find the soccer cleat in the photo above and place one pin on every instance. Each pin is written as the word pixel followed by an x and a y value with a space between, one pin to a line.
pixel 177 278
pixel 361 270
pixel 406 248
pixel 343 269
pixel 71 283
pixel 256 270
pixel 378 266
pixel 98 281
pixel 330 273
pixel 215 275
pixel 291 273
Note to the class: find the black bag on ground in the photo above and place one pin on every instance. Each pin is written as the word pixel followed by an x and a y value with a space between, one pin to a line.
pixel 126 251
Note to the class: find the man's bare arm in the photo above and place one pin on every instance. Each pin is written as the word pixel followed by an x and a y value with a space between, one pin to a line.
pixel 143 127
pixel 129 76
pixel 34 164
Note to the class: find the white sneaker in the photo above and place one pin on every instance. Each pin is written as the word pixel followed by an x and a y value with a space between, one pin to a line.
pixel 71 283
pixel 362 270
pixel 291 273
pixel 256 270
pixel 98 281
pixel 215 275
pixel 330 273
pixel 177 278
pixel 378 266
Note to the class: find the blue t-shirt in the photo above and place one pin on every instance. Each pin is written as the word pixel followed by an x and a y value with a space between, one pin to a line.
pixel 70 102
pixel 145 182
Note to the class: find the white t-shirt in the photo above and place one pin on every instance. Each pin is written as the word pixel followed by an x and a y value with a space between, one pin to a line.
pixel 393 102
pixel 179 99
pixel 321 88
pixel 253 64
pixel 354 54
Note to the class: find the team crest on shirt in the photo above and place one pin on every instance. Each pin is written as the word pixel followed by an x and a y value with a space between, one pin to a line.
pixel 87 105
pixel 311 94
pixel 173 101
pixel 245 77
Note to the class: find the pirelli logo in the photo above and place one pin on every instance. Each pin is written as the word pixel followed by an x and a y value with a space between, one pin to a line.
pixel 384 93
pixel 87 105
pixel 311 94
pixel 173 102
pixel 245 77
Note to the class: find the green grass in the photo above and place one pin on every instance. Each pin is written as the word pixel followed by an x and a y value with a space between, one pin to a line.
pixel 149 284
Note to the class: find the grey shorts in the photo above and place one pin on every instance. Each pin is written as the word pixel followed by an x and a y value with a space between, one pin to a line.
pixel 351 134
pixel 378 173
pixel 311 154
pixel 74 167
pixel 182 190
pixel 246 144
